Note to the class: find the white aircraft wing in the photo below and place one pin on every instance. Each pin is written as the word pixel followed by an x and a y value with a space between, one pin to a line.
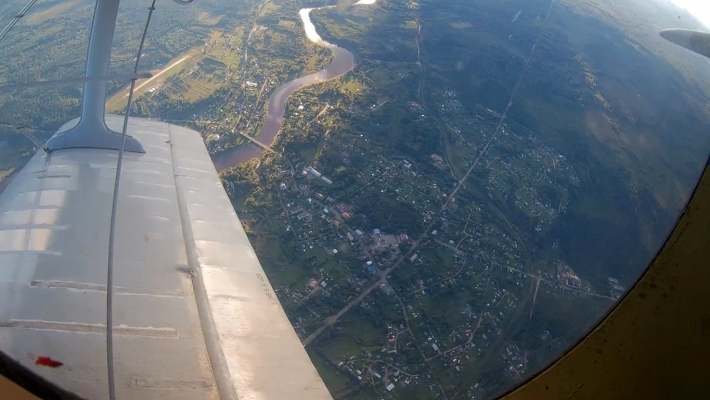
pixel 194 314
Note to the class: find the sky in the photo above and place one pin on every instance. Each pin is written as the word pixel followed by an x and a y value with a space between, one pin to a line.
pixel 699 8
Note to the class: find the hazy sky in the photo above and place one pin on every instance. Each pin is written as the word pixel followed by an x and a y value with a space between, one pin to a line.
pixel 699 8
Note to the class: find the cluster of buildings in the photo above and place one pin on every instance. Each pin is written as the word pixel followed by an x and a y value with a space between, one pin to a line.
pixel 566 277
pixel 447 304
pixel 615 290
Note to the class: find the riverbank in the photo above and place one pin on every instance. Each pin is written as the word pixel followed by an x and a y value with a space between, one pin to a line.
pixel 343 61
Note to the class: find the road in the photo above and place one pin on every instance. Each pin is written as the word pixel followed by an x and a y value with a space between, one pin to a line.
pixel 325 108
pixel 157 75
pixel 457 273
pixel 258 100
pixel 537 287
pixel 378 106
pixel 246 67
pixel 539 278
pixel 331 320
pixel 334 318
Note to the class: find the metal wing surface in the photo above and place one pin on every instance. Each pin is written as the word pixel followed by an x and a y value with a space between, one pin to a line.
pixel 698 42
pixel 194 315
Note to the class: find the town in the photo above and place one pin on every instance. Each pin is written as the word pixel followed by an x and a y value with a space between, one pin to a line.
pixel 429 273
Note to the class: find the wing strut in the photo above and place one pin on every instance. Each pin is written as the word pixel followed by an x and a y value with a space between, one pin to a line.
pixel 91 131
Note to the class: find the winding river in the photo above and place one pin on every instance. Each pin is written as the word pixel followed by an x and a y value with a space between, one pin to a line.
pixel 342 62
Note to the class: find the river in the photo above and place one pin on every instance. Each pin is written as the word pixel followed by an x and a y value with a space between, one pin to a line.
pixel 342 62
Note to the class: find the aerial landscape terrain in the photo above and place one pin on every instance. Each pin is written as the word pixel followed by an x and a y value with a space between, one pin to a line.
pixel 444 195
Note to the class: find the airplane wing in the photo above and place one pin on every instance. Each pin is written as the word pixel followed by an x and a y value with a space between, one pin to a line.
pixel 194 314
pixel 698 42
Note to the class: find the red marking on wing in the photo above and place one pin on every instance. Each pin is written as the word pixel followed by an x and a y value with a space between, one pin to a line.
pixel 48 362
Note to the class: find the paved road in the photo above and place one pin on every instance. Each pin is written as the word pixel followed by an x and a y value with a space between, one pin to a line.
pixel 334 318
pixel 157 75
